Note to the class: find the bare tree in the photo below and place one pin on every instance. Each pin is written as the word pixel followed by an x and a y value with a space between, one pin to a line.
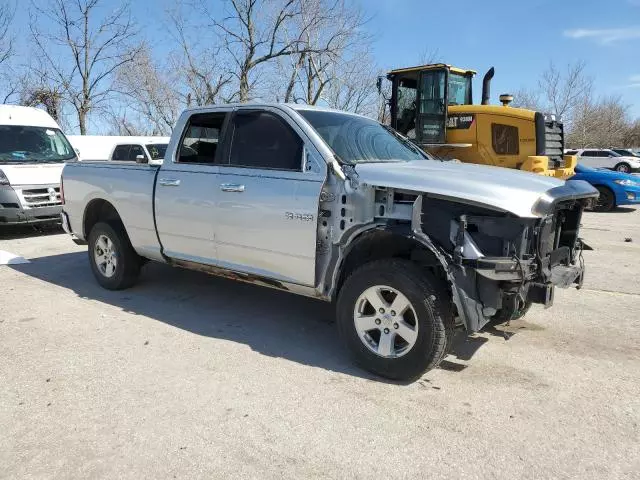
pixel 354 87
pixel 600 124
pixel 564 90
pixel 561 92
pixel 122 123
pixel 328 31
pixel 429 55
pixel 151 93
pixel 528 98
pixel 204 73
pixel 256 32
pixel 632 136
pixel 83 48
pixel 7 51
pixel 48 97
pixel 6 37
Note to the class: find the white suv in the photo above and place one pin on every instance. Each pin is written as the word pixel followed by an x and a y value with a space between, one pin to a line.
pixel 605 158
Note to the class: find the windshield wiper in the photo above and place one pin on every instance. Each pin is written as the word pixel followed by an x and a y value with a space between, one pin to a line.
pixel 406 142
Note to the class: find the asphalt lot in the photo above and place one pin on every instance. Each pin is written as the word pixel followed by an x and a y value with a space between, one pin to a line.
pixel 190 376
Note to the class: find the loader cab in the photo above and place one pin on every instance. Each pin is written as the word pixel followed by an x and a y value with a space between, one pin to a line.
pixel 420 97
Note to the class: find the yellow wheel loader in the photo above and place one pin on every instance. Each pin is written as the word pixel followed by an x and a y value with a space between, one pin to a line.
pixel 433 106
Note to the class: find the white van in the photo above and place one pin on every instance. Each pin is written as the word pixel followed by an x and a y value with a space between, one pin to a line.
pixel 33 152
pixel 120 148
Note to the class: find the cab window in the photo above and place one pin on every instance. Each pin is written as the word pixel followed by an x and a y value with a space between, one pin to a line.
pixel 505 139
pixel 135 151
pixel 121 152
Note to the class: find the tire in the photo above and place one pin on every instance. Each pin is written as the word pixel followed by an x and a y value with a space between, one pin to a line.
pixel 427 322
pixel 606 201
pixel 504 315
pixel 622 167
pixel 122 264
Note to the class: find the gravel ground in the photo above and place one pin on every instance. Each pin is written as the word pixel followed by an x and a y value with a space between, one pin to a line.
pixel 190 376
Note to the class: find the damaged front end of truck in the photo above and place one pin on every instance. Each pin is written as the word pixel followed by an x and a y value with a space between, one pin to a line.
pixel 496 262
pixel 499 264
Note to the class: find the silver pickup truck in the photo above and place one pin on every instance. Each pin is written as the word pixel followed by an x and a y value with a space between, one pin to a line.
pixel 337 207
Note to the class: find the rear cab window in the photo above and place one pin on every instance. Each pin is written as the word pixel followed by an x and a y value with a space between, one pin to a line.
pixel 202 139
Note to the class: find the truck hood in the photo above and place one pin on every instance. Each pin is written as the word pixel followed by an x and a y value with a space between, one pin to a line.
pixel 499 188
pixel 33 173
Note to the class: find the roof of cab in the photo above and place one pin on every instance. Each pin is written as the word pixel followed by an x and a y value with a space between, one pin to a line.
pixel 26 116
pixel 433 66
pixel 256 104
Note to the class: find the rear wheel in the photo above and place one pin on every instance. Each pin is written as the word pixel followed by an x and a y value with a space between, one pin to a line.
pixel 395 319
pixel 114 262
pixel 606 200
pixel 623 168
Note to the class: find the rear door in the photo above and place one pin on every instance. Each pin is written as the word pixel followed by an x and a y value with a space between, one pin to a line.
pixel 268 194
pixel 186 189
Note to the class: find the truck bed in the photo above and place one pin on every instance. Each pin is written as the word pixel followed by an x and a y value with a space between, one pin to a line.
pixel 127 186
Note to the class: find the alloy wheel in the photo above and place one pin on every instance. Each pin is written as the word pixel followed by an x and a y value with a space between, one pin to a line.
pixel 385 321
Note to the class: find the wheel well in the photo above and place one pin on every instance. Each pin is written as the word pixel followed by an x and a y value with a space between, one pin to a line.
pixel 381 244
pixel 99 210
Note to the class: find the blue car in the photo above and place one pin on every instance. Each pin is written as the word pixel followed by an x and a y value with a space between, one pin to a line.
pixel 615 188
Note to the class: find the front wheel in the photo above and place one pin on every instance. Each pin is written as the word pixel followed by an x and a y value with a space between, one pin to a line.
pixel 606 200
pixel 114 262
pixel 395 319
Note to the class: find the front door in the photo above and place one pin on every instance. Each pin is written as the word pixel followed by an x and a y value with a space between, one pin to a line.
pixel 432 107
pixel 186 191
pixel 267 199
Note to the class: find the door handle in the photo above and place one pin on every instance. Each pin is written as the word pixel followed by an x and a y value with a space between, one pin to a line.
pixel 169 182
pixel 232 187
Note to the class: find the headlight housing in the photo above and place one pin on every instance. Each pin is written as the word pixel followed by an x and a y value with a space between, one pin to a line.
pixel 3 178
pixel 627 183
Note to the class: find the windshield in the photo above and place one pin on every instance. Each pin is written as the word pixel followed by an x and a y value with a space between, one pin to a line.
pixel 157 150
pixel 23 144
pixel 361 140
pixel 459 89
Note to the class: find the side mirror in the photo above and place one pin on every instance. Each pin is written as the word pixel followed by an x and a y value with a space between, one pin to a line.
pixel 379 85
pixel 141 159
